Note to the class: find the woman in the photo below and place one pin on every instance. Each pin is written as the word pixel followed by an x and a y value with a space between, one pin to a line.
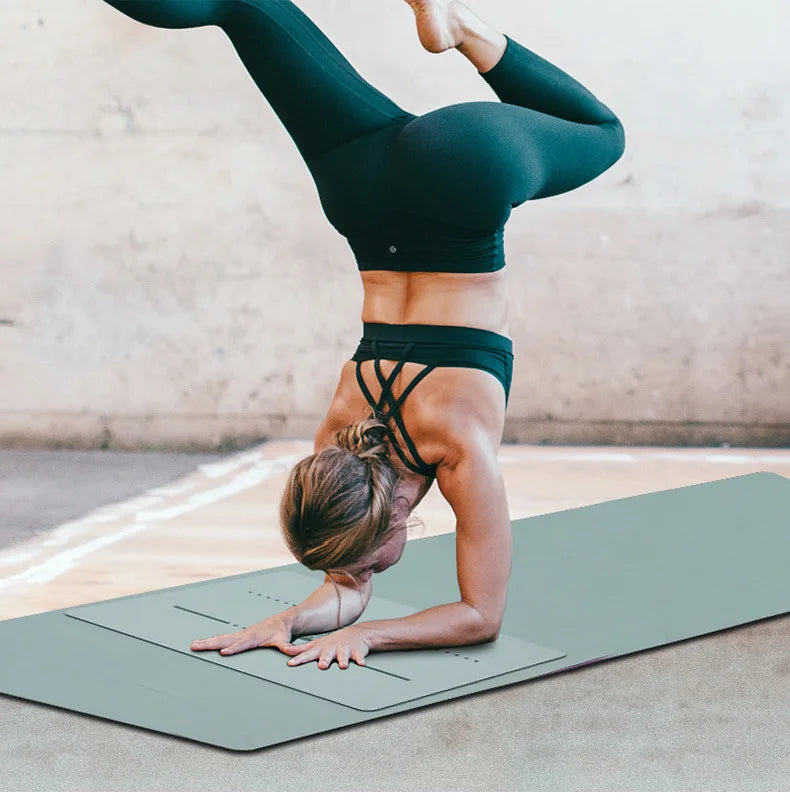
pixel 422 202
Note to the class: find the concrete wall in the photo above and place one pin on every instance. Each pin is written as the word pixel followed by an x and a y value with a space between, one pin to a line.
pixel 167 277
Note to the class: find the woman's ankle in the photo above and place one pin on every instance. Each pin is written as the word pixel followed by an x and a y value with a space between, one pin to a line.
pixel 482 44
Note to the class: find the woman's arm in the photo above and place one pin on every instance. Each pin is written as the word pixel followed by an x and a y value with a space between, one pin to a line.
pixel 318 612
pixel 471 481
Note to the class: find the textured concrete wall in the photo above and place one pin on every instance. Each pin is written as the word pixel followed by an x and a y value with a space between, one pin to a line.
pixel 167 277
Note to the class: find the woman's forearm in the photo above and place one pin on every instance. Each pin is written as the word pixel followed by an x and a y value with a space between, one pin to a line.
pixel 448 625
pixel 318 613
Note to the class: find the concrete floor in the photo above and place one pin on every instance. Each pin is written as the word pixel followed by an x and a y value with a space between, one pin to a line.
pixel 40 489
pixel 711 713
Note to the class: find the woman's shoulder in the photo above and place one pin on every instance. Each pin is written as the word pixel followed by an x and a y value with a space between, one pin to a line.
pixel 446 431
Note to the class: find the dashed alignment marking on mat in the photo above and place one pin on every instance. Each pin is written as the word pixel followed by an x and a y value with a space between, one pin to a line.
pixel 176 617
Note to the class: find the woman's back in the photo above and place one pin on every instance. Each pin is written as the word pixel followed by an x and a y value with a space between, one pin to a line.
pixel 471 299
pixel 444 401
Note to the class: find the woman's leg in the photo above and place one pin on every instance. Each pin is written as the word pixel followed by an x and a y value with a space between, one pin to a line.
pixel 474 162
pixel 319 97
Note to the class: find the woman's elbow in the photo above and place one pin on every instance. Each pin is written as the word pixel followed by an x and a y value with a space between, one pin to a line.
pixel 491 633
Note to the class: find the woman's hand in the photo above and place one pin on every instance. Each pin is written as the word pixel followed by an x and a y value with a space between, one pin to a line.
pixel 274 631
pixel 347 642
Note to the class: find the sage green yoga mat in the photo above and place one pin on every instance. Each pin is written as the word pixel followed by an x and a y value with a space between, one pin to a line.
pixel 587 584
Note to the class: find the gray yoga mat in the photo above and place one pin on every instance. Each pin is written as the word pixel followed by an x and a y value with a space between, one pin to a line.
pixel 587 584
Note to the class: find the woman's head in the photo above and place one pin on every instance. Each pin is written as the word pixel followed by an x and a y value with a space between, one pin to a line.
pixel 339 505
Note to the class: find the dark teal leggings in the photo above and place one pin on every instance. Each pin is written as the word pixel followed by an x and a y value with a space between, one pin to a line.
pixel 465 165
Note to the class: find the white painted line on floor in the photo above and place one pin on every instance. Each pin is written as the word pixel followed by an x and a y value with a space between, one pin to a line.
pixel 713 458
pixel 252 477
pixel 172 490
pixel 17 558
pixel 105 514
pixel 61 562
pixel 736 459
pixel 217 469
pixel 515 459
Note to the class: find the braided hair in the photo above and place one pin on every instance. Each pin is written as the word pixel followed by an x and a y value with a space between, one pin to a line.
pixel 337 504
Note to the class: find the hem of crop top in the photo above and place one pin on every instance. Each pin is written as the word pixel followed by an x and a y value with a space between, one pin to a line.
pixel 438 253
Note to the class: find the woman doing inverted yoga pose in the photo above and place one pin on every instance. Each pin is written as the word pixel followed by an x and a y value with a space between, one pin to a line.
pixel 422 201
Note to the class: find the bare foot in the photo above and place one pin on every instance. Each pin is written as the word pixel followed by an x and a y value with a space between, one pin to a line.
pixel 440 23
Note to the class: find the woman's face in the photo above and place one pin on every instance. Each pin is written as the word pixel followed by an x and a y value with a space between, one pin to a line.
pixel 388 553
pixel 385 556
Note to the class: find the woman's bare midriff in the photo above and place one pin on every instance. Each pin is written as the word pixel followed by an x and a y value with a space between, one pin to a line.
pixel 474 300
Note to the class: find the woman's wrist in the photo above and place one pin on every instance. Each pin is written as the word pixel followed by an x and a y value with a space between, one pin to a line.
pixel 290 617
pixel 319 612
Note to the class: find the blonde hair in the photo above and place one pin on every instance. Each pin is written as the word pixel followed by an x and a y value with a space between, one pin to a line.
pixel 337 503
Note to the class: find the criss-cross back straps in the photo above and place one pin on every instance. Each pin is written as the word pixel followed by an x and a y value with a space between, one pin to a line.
pixel 420 466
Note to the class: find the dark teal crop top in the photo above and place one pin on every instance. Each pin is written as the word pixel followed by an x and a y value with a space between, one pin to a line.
pixel 409 249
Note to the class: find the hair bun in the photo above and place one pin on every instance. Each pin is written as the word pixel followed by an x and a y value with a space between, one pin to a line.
pixel 366 438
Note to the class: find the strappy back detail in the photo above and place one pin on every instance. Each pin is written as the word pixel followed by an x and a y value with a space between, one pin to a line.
pixel 419 465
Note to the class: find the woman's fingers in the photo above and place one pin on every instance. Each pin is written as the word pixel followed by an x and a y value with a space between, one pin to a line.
pixel 325 659
pixel 212 643
pixel 305 655
pixel 227 644
pixel 238 647
pixel 231 643
pixel 274 631
pixel 325 653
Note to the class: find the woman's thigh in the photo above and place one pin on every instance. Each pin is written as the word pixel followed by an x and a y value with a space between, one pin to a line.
pixel 468 164
pixel 472 163
pixel 465 165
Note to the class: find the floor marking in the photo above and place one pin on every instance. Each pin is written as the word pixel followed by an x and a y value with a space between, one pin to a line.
pixel 65 560
pixel 61 562
pixel 259 469
pixel 216 469
pixel 245 480
pixel 718 458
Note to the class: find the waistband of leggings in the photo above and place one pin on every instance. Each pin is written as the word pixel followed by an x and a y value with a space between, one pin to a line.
pixel 437 334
